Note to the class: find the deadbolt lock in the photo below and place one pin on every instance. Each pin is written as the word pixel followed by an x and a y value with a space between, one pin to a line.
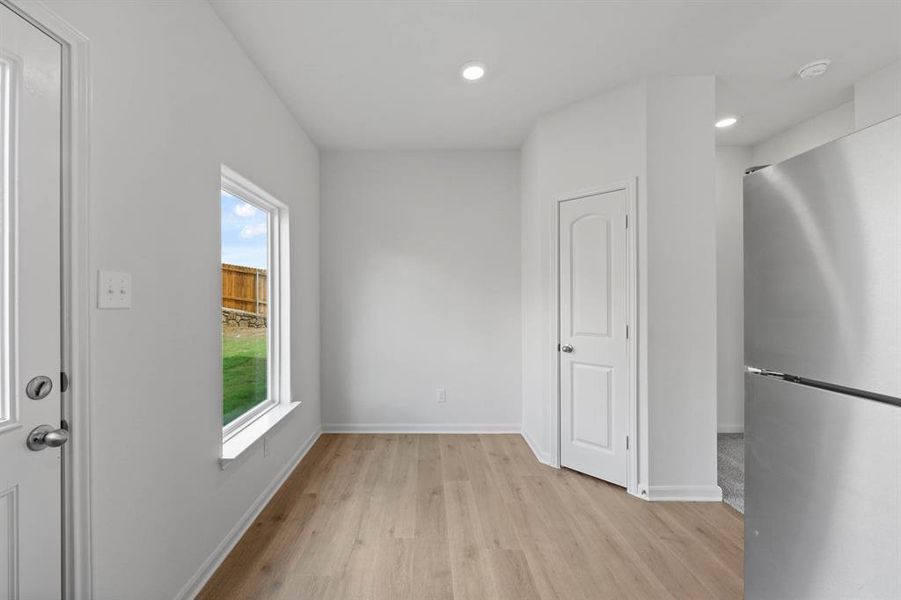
pixel 39 387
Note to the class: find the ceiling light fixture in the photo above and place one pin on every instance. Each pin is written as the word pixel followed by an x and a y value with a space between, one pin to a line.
pixel 472 71
pixel 814 69
pixel 726 122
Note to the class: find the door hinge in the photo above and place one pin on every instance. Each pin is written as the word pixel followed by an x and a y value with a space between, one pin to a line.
pixel 558 347
pixel 627 221
pixel 627 442
pixel 627 332
pixel 63 382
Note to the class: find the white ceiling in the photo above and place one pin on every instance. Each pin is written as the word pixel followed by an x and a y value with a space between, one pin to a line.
pixel 378 74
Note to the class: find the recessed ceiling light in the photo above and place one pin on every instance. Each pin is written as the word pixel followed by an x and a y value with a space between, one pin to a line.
pixel 814 69
pixel 726 122
pixel 472 71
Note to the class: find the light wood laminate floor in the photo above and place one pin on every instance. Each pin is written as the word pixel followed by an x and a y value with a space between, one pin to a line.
pixel 425 517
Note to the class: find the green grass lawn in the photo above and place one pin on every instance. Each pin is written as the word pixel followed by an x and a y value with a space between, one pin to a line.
pixel 243 371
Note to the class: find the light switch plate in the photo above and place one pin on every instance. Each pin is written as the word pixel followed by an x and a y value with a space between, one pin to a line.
pixel 113 289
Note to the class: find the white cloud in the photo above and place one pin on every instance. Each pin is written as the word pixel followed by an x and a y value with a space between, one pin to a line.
pixel 252 231
pixel 245 210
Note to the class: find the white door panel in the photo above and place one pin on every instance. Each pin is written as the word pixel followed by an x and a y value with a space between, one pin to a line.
pixel 591 421
pixel 593 318
pixel 30 167
pixel 590 256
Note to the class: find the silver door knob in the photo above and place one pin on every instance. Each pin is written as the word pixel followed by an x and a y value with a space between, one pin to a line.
pixel 45 436
pixel 566 348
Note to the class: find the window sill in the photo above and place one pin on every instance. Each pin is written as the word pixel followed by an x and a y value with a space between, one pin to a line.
pixel 243 440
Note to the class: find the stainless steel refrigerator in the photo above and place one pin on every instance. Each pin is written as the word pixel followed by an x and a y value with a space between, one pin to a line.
pixel 822 243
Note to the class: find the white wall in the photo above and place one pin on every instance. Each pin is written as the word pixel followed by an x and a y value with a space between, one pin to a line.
pixel 878 96
pixel 658 131
pixel 681 255
pixel 420 290
pixel 816 131
pixel 173 97
pixel 731 162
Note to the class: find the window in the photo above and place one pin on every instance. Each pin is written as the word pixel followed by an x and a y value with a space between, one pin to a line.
pixel 255 339
pixel 8 79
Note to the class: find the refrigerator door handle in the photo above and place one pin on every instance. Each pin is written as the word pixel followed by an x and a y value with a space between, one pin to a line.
pixel 766 372
pixel 823 385
pixel 776 374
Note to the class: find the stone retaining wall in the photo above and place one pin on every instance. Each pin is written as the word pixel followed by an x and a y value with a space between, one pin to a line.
pixel 232 317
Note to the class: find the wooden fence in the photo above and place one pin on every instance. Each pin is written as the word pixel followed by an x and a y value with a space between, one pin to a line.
pixel 245 288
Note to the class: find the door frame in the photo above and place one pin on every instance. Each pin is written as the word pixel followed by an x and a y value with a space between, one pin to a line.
pixel 77 572
pixel 636 405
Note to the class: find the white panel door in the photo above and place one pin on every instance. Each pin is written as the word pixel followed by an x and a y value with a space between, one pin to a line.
pixel 30 125
pixel 594 356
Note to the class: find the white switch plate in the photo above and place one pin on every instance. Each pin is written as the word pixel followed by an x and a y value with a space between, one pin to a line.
pixel 113 289
pixel 441 394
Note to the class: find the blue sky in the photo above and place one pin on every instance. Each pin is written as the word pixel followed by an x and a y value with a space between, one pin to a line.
pixel 244 233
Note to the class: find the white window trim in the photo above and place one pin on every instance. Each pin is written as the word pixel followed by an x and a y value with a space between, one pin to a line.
pixel 243 432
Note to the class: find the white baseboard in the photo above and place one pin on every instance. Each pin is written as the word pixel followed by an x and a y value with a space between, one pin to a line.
pixel 421 428
pixel 209 566
pixel 730 429
pixel 541 456
pixel 685 493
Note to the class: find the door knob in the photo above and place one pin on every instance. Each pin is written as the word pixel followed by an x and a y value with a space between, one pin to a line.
pixel 45 436
pixel 566 348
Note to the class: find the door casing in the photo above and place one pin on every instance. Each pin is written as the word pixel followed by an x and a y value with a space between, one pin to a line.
pixel 636 470
pixel 76 292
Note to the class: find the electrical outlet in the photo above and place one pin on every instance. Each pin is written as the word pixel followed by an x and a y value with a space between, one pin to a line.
pixel 441 395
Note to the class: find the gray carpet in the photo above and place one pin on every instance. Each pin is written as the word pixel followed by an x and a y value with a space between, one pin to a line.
pixel 730 453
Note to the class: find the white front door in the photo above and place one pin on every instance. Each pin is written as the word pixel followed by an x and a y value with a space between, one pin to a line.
pixel 594 348
pixel 30 177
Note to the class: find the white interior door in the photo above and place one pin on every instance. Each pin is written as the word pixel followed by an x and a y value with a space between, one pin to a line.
pixel 594 354
pixel 30 124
